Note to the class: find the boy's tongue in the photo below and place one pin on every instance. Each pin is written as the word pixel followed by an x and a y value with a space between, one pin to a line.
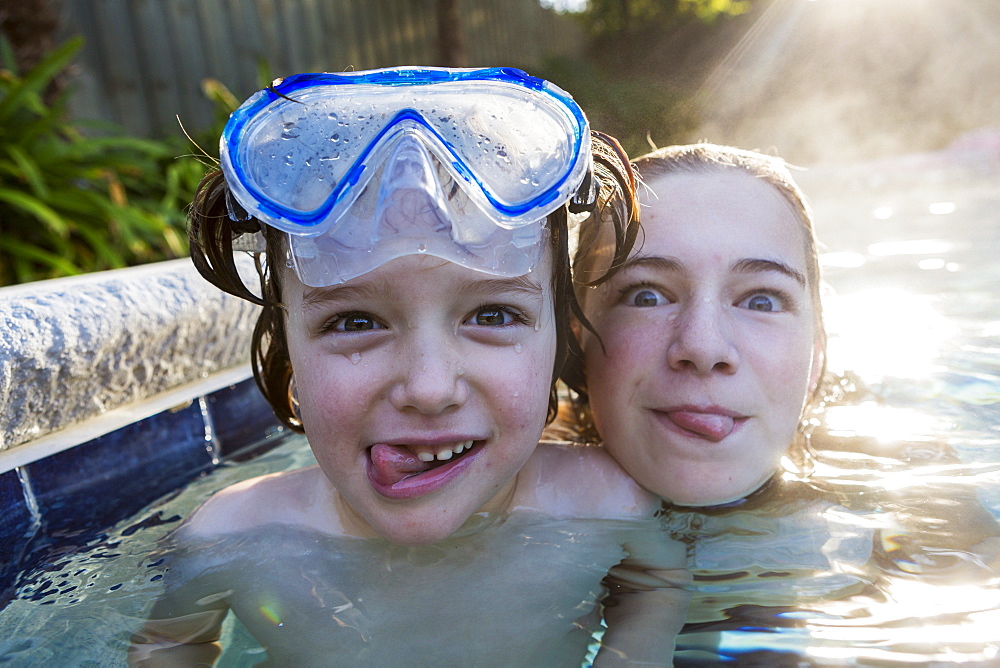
pixel 392 463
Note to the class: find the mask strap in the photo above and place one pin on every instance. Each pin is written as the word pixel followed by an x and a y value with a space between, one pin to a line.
pixel 243 222
pixel 586 195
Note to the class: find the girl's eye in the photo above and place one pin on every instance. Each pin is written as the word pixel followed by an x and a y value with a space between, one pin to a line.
pixel 645 297
pixel 495 316
pixel 762 302
pixel 354 322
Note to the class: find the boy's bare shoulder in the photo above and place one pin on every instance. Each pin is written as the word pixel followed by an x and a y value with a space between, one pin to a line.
pixel 298 497
pixel 566 480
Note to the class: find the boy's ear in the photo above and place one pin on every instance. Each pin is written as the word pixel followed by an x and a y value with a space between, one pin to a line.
pixel 575 327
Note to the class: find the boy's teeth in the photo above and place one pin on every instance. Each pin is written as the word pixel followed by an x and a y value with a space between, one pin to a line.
pixel 445 454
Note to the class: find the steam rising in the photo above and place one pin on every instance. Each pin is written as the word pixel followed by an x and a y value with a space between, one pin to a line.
pixel 839 80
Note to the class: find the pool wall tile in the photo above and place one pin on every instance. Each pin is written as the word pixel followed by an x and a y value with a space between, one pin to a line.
pixel 240 416
pixel 99 482
pixel 15 520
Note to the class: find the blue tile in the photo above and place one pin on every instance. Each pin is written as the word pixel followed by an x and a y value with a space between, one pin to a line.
pixel 14 523
pixel 100 482
pixel 240 416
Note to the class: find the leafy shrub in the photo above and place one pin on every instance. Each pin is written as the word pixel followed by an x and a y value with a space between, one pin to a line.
pixel 72 203
pixel 639 111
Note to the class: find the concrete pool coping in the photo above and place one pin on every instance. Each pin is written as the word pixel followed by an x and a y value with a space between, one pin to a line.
pixel 116 388
pixel 73 349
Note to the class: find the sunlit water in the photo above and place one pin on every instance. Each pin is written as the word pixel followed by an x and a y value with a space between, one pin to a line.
pixel 880 558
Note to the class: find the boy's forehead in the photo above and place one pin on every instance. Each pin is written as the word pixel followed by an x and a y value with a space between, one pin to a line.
pixel 411 274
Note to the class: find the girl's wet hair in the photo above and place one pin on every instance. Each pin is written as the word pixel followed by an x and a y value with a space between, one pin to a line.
pixel 212 232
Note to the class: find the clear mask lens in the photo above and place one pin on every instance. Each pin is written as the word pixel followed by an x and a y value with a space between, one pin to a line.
pixel 365 167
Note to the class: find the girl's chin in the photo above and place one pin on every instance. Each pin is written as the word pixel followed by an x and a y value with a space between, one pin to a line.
pixel 706 497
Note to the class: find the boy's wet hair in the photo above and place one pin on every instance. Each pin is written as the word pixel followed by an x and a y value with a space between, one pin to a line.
pixel 212 232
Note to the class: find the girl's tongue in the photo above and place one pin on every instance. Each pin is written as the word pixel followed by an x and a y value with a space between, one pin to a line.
pixel 392 463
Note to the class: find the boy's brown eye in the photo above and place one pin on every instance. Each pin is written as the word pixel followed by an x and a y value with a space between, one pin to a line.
pixel 491 317
pixel 358 323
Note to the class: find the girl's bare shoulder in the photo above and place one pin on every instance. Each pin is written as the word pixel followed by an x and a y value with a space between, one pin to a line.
pixel 568 480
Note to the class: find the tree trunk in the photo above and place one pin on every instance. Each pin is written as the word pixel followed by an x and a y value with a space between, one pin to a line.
pixel 451 42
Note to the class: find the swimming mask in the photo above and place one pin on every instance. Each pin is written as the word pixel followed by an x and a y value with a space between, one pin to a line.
pixel 363 167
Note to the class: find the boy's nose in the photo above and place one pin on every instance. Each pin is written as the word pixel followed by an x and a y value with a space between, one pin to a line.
pixel 702 340
pixel 431 380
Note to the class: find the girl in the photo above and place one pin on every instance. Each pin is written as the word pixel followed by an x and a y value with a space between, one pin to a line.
pixel 708 341
pixel 702 377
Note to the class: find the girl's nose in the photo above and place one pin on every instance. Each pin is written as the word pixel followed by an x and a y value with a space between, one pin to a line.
pixel 431 380
pixel 702 340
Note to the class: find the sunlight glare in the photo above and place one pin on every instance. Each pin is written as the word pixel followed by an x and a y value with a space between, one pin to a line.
pixel 910 247
pixel 885 333
pixel 882 422
pixel 941 208
pixel 842 259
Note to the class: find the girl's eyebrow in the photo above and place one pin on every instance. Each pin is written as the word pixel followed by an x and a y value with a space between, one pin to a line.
pixel 654 262
pixel 757 266
pixel 744 266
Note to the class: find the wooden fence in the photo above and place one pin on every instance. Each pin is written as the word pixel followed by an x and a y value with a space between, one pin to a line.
pixel 144 61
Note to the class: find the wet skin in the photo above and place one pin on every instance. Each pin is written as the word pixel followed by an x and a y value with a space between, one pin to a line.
pixel 411 362
pixel 709 339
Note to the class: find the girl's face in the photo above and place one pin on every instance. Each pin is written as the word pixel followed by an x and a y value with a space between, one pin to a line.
pixel 709 339
pixel 422 359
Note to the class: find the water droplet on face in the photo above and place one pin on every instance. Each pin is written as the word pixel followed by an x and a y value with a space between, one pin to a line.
pixel 335 137
pixel 422 248
pixel 355 358
pixel 332 116
pixel 288 159
pixel 538 325
pixel 517 347
pixel 288 263
pixel 516 393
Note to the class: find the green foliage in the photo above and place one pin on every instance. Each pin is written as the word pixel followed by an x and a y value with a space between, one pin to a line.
pixel 72 203
pixel 639 111
pixel 611 17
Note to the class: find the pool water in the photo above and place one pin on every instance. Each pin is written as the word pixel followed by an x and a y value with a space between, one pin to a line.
pixel 884 554
pixel 82 608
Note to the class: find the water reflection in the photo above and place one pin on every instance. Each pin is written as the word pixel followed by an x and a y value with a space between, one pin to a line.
pixel 886 332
